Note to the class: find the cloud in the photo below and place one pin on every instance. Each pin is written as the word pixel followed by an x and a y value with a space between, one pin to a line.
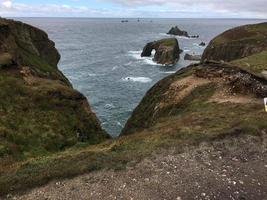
pixel 5 3
pixel 249 7
pixel 140 8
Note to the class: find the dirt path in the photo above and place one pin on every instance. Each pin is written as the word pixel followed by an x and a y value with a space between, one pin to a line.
pixel 225 170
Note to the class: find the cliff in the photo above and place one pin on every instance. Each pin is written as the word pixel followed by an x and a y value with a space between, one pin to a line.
pixel 237 43
pixel 204 125
pixel 40 111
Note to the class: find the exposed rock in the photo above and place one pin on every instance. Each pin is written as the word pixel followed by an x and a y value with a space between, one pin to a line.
pixel 202 44
pixel 38 103
pixel 176 31
pixel 167 51
pixel 237 43
pixel 192 57
pixel 178 94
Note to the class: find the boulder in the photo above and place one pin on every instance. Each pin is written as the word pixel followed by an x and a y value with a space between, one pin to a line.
pixel 202 44
pixel 167 51
pixel 192 57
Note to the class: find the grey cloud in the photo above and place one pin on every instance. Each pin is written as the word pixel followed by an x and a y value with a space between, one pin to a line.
pixel 240 6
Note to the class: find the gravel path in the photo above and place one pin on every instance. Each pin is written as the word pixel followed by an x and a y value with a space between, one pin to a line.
pixel 225 170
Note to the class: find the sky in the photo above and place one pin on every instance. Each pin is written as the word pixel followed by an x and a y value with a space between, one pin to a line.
pixel 135 8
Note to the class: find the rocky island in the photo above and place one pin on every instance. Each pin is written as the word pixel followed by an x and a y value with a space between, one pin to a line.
pixel 176 31
pixel 200 133
pixel 167 51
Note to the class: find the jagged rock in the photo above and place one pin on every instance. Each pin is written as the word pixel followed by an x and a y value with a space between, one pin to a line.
pixel 45 111
pixel 192 57
pixel 176 31
pixel 167 51
pixel 202 44
pixel 237 43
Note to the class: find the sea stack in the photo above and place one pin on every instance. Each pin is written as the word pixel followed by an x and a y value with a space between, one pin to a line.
pixel 167 51
pixel 176 31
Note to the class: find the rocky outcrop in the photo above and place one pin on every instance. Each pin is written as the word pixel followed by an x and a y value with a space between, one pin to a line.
pixel 207 90
pixel 192 57
pixel 39 108
pixel 202 44
pixel 176 31
pixel 237 43
pixel 167 51
pixel 198 90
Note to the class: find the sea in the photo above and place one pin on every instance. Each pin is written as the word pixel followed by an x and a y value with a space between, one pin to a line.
pixel 101 57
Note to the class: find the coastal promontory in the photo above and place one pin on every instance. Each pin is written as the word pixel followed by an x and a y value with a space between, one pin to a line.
pixel 40 111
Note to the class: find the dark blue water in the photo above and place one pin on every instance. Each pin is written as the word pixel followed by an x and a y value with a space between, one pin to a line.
pixel 101 57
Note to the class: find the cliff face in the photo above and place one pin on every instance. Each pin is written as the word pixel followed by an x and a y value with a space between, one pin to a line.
pixel 237 43
pixel 197 98
pixel 167 51
pixel 201 98
pixel 40 111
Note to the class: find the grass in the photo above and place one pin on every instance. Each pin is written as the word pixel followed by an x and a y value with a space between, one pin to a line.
pixel 255 63
pixel 42 118
pixel 198 121
pixel 249 34
pixel 167 41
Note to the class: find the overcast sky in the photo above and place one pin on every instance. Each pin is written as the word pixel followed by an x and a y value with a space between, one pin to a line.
pixel 135 8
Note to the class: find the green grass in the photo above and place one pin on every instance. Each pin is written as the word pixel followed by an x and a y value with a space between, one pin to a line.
pixel 249 34
pixel 42 118
pixel 167 42
pixel 197 122
pixel 255 63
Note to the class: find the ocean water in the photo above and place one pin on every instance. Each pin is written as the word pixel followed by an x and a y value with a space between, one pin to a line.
pixel 101 57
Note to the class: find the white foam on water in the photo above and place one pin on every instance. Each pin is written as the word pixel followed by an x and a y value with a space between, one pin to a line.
pixel 169 72
pixel 146 60
pixel 115 67
pixel 137 79
pixel 177 36
pixel 92 75
pixel 109 106
pixel 119 124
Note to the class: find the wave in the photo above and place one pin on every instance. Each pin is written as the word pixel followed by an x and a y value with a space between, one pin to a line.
pixel 146 60
pixel 169 72
pixel 138 79
pixel 92 74
pixel 109 106
pixel 115 67
pixel 177 36
pixel 197 45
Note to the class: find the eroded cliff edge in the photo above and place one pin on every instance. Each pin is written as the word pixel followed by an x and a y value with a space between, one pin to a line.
pixel 40 111
pixel 212 97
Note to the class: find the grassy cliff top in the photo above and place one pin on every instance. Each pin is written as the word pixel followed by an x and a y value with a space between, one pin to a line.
pixel 249 34
pixel 40 112
pixel 237 43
